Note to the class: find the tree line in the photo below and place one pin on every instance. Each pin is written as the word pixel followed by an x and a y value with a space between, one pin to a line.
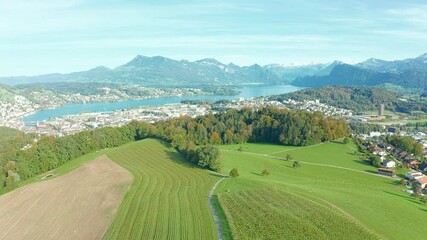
pixel 406 143
pixel 194 138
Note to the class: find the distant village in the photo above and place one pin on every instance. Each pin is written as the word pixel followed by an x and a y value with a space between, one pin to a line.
pixel 14 108
pixel 394 160
pixel 11 115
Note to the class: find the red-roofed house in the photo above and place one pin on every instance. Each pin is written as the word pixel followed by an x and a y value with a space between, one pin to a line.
pixel 422 182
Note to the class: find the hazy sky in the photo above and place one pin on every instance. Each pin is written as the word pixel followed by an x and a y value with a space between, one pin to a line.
pixel 45 36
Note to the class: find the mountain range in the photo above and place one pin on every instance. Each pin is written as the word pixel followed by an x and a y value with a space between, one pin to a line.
pixel 160 71
pixel 408 73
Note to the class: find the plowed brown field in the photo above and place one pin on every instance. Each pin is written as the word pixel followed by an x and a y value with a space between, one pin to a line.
pixel 78 205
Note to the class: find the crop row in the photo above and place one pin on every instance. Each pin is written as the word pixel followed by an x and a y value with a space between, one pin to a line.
pixel 274 214
pixel 168 198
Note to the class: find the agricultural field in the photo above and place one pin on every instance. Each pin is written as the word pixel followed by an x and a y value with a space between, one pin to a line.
pixel 332 181
pixel 168 198
pixel 332 195
pixel 278 213
pixel 58 208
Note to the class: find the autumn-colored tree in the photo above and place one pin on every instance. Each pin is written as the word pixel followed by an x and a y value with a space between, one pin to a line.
pixel 215 138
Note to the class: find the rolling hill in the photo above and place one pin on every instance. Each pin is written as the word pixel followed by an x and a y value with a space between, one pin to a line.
pixel 167 198
pixel 333 195
pixel 357 99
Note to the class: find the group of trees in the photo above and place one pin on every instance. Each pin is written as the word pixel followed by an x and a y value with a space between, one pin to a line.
pixel 270 125
pixel 192 137
pixel 50 152
pixel 406 143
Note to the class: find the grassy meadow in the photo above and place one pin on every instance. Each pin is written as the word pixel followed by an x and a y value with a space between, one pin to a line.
pixel 333 195
pixel 370 205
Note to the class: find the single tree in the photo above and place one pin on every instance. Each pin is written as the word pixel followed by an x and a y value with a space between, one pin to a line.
pixel 296 164
pixel 375 160
pixel 289 157
pixel 234 173
pixel 266 172
pixel 240 149
pixel 418 149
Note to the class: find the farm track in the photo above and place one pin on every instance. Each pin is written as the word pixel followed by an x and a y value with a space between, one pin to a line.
pixel 168 198
pixel 214 213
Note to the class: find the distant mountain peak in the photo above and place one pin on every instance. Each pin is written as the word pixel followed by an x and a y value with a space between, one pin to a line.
pixel 373 60
pixel 99 69
pixel 141 60
pixel 210 61
pixel 423 56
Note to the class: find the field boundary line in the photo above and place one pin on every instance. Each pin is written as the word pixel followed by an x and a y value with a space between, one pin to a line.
pixel 338 210
pixel 211 206
pixel 320 164
pixel 293 149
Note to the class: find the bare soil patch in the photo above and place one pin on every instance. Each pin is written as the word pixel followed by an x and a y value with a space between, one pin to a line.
pixel 77 205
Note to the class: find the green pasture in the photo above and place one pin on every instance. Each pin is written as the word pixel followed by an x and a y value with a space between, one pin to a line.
pixel 377 206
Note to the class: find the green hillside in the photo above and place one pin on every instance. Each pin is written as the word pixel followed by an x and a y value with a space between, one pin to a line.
pixel 168 198
pixel 333 195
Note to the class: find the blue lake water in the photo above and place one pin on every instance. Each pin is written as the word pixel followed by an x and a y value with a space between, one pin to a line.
pixel 245 92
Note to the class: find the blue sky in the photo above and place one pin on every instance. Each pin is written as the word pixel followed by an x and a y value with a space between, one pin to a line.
pixel 45 36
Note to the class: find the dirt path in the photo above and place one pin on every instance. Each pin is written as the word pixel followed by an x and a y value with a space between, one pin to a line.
pixel 77 205
pixel 211 206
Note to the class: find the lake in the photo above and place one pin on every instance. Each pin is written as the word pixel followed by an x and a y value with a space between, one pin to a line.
pixel 69 109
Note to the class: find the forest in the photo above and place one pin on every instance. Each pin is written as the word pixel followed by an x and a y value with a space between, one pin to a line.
pixel 194 138
pixel 358 99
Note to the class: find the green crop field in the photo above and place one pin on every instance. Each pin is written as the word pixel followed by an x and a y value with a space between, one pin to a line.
pixel 333 195
pixel 168 198
pixel 278 214
pixel 346 197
